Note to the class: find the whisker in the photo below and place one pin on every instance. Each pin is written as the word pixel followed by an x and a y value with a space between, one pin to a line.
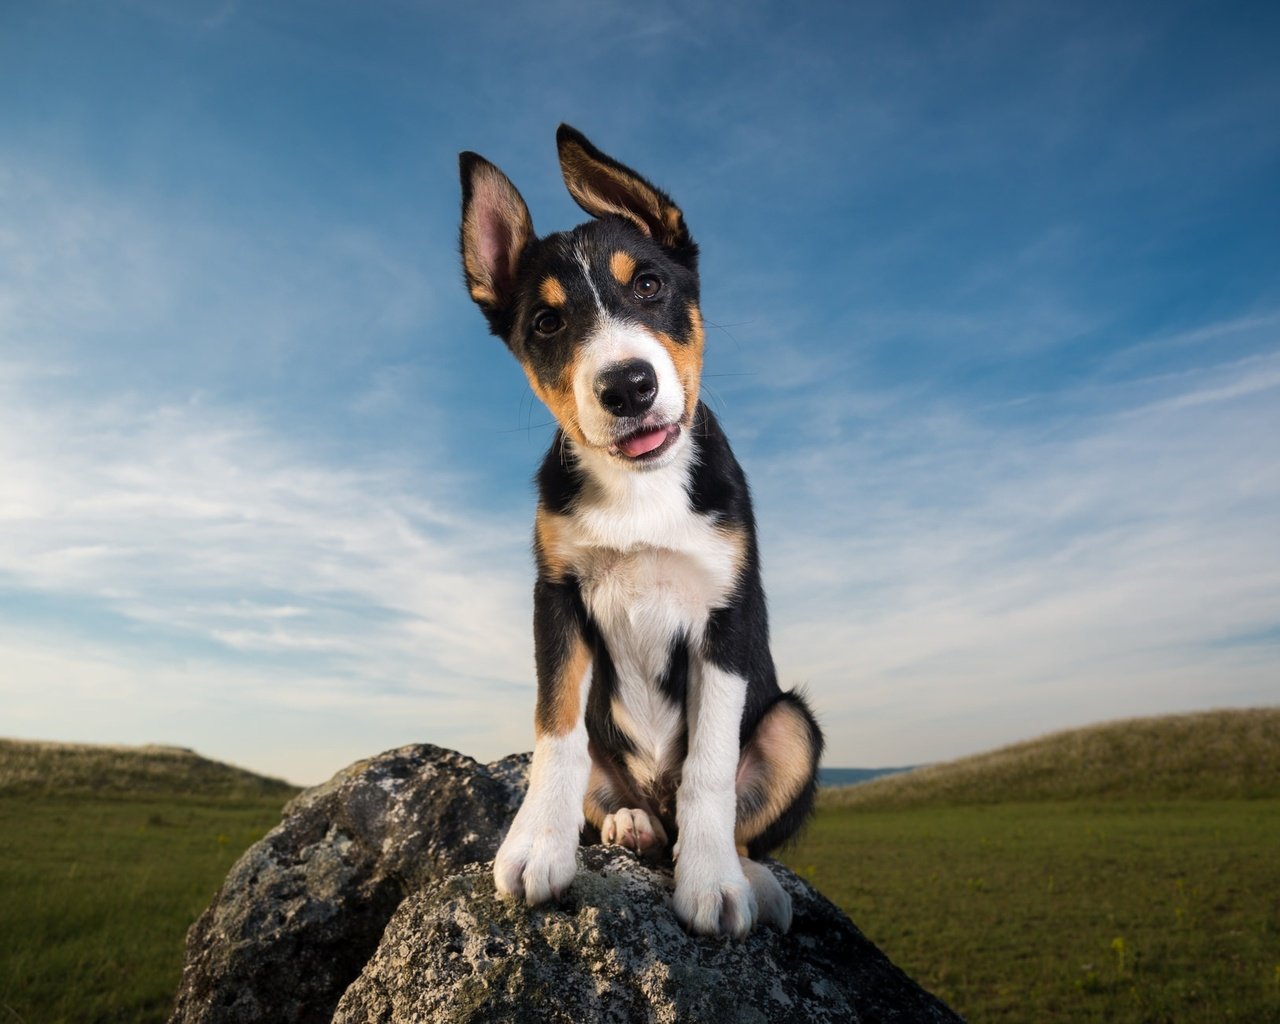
pixel 528 428
pixel 725 329
pixel 716 400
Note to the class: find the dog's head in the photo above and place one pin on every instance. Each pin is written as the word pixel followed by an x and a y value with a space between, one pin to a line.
pixel 604 318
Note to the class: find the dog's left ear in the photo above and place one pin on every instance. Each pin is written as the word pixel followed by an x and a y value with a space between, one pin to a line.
pixel 604 187
pixel 496 230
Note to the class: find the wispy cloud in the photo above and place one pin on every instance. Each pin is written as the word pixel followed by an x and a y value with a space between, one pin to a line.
pixel 942 574
pixel 194 529
pixel 1003 576
pixel 999 355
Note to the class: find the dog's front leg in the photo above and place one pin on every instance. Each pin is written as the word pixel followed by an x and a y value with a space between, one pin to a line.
pixel 538 857
pixel 712 894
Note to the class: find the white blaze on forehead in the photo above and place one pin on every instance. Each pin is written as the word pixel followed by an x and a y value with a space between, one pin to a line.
pixel 616 341
pixel 583 261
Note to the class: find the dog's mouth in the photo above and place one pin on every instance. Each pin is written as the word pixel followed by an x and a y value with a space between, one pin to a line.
pixel 649 442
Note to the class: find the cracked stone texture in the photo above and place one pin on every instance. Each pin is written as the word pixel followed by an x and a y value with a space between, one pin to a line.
pixel 373 901
pixel 303 909
pixel 613 951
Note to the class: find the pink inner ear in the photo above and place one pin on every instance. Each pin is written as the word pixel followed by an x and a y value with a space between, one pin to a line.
pixel 498 219
pixel 495 243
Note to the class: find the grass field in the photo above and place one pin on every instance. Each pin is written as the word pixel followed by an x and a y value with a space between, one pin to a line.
pixel 96 895
pixel 107 856
pixel 1016 893
pixel 1129 872
pixel 1067 911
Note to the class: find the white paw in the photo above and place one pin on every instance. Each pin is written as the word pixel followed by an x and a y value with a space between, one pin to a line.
pixel 538 858
pixel 635 830
pixel 713 896
pixel 772 900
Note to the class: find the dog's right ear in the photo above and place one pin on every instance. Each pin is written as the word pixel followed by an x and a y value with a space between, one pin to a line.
pixel 496 229
pixel 605 188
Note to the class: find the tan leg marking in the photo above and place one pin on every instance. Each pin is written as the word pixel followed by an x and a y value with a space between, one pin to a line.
pixel 559 711
pixel 739 538
pixel 604 795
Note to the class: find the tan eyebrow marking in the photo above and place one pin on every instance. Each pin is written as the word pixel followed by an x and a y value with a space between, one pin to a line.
pixel 622 266
pixel 552 291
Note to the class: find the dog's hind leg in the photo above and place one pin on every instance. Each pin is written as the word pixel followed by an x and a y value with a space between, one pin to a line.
pixel 777 776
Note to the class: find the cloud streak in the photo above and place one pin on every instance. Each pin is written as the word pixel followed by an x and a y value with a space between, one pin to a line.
pixel 1000 355
pixel 193 526
pixel 1004 577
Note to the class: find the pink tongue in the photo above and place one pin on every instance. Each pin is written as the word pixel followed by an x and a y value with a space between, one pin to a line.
pixel 640 444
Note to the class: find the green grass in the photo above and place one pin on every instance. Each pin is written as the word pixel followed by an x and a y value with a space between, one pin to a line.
pixel 1112 912
pixel 1128 872
pixel 1026 885
pixel 98 885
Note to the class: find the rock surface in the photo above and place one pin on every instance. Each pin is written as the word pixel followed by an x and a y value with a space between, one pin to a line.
pixel 613 951
pixel 303 909
pixel 373 901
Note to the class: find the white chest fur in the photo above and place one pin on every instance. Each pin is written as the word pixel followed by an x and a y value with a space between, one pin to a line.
pixel 651 570
pixel 650 567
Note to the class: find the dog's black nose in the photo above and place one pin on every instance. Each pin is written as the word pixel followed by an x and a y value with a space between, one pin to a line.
pixel 627 389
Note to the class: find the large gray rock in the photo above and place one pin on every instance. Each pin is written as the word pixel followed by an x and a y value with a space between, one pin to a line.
pixel 373 901
pixel 612 950
pixel 303 909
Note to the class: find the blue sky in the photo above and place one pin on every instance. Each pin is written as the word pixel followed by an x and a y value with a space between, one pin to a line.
pixel 996 334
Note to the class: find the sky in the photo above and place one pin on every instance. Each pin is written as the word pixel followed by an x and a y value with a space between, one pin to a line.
pixel 993 300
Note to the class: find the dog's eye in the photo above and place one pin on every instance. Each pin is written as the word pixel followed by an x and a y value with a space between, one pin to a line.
pixel 547 322
pixel 646 286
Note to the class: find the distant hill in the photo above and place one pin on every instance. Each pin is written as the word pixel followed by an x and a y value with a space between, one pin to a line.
pixel 854 776
pixel 1210 755
pixel 38 768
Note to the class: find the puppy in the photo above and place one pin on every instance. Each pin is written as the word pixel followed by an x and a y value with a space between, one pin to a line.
pixel 659 718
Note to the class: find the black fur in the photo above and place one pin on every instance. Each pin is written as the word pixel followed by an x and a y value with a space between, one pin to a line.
pixel 632 217
pixel 552 256
pixel 737 636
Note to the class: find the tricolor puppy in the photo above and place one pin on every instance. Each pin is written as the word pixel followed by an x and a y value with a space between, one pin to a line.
pixel 659 718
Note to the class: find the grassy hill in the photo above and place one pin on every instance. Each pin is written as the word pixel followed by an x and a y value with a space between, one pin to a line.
pixel 76 769
pixel 1210 755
